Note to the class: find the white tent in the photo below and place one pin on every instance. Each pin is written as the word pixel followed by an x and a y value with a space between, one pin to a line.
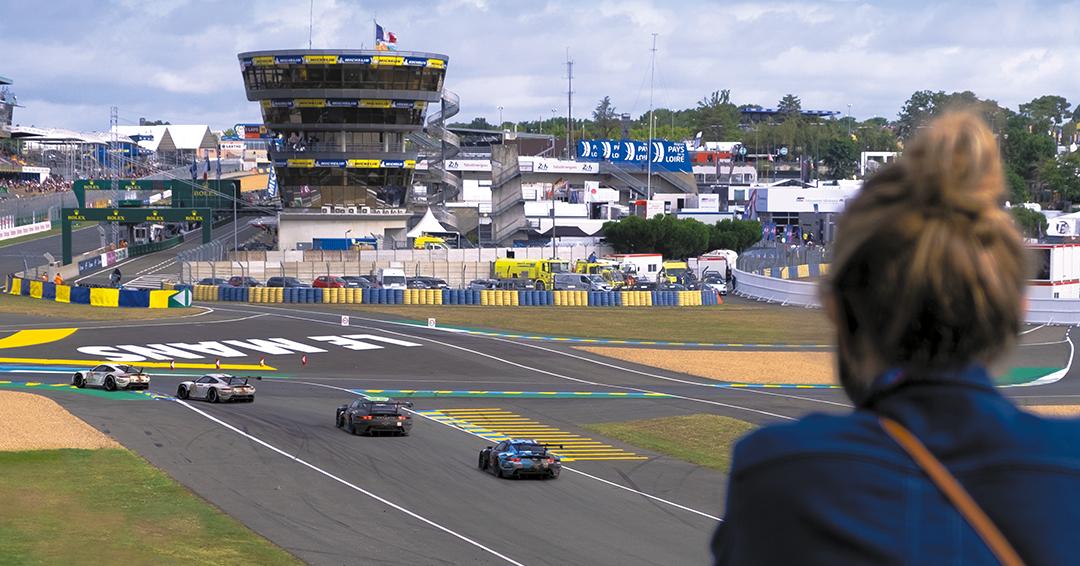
pixel 427 225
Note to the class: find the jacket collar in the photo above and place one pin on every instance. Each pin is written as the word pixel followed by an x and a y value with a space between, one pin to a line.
pixel 894 380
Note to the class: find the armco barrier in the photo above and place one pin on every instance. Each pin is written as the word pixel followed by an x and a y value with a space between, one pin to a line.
pixel 775 290
pixel 100 296
pixel 484 297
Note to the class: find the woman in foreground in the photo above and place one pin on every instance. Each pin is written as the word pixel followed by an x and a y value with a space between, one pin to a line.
pixel 933 466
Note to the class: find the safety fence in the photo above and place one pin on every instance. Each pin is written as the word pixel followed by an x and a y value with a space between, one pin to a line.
pixel 99 296
pixel 484 297
pixel 804 271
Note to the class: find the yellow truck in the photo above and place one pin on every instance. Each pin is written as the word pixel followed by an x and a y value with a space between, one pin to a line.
pixel 540 271
pixel 675 271
pixel 426 242
pixel 606 268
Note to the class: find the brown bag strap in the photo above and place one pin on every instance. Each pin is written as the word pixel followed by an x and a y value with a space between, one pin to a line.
pixel 955 492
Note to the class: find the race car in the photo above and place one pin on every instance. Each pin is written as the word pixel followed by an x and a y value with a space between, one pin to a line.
pixel 217 387
pixel 516 458
pixel 111 377
pixel 371 415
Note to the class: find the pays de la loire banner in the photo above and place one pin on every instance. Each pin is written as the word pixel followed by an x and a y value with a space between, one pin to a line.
pixel 665 155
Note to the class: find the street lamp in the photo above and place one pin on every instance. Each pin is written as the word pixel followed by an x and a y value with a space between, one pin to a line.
pixel 500 118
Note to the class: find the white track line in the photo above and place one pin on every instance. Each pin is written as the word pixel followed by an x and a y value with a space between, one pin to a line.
pixel 567 468
pixel 598 362
pixel 353 486
pixel 1034 329
pixel 545 372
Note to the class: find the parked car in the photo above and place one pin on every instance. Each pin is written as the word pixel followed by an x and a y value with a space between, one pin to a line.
pixel 516 284
pixel 243 281
pixel 285 282
pixel 213 281
pixel 481 284
pixel 217 387
pixel 580 282
pixel 111 377
pixel 329 282
pixel 370 415
pixel 357 282
pixel 515 458
pixel 715 282
pixel 424 282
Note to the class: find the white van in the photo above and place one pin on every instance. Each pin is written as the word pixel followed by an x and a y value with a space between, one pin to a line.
pixel 390 278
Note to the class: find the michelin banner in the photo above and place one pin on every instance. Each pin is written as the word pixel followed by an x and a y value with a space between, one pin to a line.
pixel 665 155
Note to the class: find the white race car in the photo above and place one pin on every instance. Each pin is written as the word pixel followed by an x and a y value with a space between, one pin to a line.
pixel 215 387
pixel 111 377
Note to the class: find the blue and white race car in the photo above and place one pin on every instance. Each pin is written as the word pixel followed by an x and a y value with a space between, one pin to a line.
pixel 521 457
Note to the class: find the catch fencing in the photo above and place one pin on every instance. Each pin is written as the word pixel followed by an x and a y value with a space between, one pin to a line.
pixel 456 266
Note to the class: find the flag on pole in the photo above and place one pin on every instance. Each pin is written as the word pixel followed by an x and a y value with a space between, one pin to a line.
pixel 384 40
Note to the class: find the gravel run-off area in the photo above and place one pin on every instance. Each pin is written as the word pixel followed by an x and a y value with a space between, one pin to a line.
pixel 801 368
pixel 34 422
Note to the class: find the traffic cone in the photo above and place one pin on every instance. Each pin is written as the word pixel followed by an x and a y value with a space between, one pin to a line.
pixel 172 364
pixel 217 363
pixel 262 362
pixel 303 360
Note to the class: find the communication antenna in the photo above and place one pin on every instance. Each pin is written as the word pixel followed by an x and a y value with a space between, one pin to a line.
pixel 311 21
pixel 648 151
pixel 569 103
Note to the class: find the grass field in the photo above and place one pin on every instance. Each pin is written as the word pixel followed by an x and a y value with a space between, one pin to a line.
pixel 741 323
pixel 705 440
pixel 25 306
pixel 110 507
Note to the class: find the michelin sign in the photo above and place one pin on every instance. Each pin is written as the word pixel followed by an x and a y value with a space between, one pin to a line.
pixel 665 155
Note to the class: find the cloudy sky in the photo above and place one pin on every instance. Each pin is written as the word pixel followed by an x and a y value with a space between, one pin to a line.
pixel 176 59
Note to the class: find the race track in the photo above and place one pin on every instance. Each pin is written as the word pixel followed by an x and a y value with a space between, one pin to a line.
pixel 282 467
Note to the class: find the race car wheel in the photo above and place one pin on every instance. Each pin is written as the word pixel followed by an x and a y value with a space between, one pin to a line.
pixel 212 396
pixel 554 474
pixel 78 381
pixel 339 422
pixel 110 383
pixel 482 463
pixel 182 392
pixel 498 471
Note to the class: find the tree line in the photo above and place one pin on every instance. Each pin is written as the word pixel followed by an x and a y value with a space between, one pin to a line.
pixel 1029 135
pixel 679 237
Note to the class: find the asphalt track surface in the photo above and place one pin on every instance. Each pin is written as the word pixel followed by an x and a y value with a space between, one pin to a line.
pixel 281 466
pixel 11 257
pixel 164 263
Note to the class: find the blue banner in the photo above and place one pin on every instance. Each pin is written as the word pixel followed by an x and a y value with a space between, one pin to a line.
pixel 665 155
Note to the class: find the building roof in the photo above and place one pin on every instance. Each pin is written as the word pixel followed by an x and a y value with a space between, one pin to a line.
pixel 171 137
pixel 6 81
pixel 427 225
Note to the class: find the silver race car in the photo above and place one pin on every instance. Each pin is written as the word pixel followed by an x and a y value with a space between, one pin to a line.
pixel 111 377
pixel 217 387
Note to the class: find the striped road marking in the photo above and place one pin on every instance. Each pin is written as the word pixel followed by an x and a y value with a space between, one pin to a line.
pixel 124 395
pixel 497 425
pixel 433 393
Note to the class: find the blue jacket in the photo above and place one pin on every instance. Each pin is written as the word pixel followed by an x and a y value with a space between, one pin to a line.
pixel 837 490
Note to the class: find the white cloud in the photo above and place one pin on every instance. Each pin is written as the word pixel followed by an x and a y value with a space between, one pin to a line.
pixel 177 61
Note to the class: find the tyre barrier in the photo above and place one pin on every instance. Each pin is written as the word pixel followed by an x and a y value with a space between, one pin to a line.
pixel 484 297
pixel 100 296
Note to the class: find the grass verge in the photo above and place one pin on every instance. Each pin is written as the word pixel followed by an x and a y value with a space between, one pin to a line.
pixel 742 323
pixel 705 440
pixel 40 308
pixel 110 507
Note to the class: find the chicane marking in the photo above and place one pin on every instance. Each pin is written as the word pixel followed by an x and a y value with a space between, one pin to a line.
pixel 156 365
pixel 430 393
pixel 534 430
pixel 37 337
